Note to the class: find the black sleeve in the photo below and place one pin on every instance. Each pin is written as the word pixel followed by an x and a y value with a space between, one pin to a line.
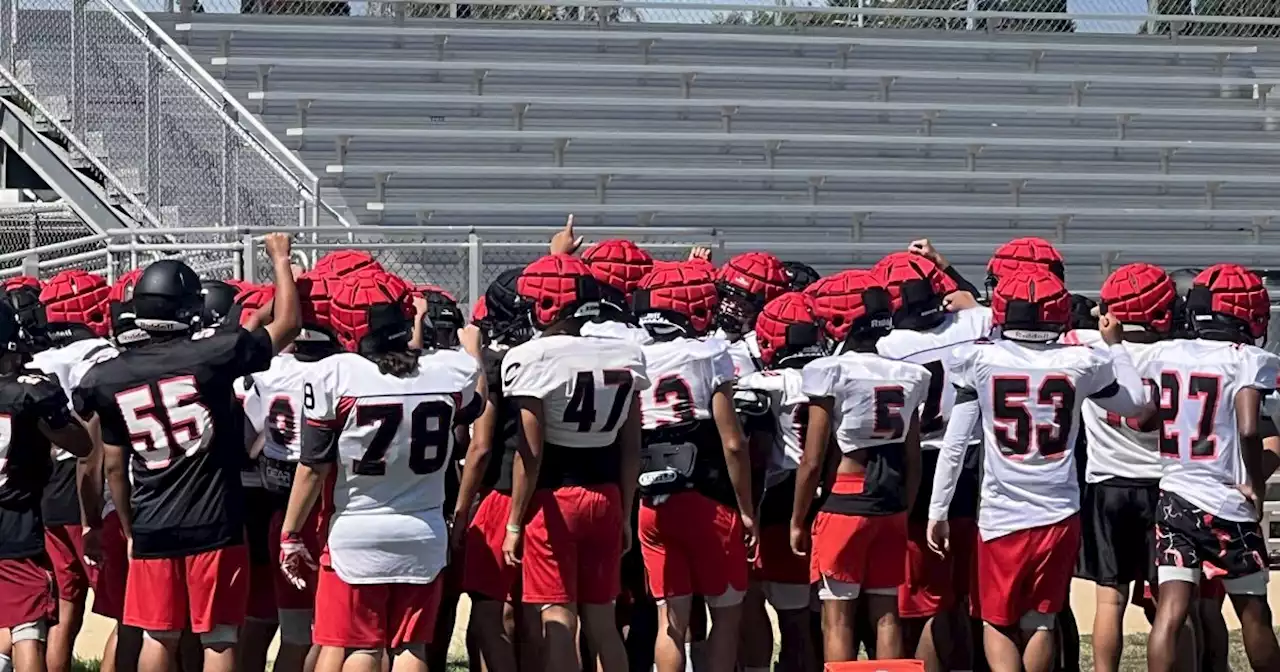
pixel 961 283
pixel 319 442
pixel 1107 392
pixel 236 353
pixel 46 399
pixel 965 395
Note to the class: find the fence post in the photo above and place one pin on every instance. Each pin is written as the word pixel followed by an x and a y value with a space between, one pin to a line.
pixel 78 65
pixel 250 273
pixel 475 257
pixel 31 265
pixel 8 33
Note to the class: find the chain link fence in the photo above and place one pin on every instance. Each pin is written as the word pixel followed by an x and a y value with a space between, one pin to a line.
pixel 1201 18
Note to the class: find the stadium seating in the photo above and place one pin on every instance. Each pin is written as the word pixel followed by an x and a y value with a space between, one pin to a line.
pixel 863 136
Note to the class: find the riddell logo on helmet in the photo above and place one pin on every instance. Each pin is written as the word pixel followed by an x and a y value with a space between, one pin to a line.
pixel 741 280
pixel 882 323
pixel 589 309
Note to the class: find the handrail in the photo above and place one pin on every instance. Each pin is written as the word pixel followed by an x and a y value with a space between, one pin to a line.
pixel 431 230
pixel 259 137
pixel 53 247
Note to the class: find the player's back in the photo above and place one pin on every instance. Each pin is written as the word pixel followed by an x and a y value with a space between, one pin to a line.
pixel 934 349
pixel 25 463
pixel 170 405
pixel 1198 438
pixel 587 385
pixel 789 406
pixel 874 396
pixel 1030 395
pixel 1116 446
pixel 274 407
pixel 390 438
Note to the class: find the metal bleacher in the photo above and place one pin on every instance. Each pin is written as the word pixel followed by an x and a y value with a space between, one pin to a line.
pixel 862 136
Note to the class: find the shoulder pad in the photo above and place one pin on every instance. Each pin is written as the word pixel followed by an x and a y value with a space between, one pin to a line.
pixel 751 402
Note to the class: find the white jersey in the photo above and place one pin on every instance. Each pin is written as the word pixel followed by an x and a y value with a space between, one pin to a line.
pixel 274 404
pixel 617 330
pixel 745 352
pixel 68 364
pixel 934 350
pixel 875 397
pixel 790 407
pixel 685 374
pixel 1198 440
pixel 101 352
pixel 1115 445
pixel 389 439
pixel 1029 397
pixel 586 385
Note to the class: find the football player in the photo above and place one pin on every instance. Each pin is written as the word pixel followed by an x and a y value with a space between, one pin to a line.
pixel 1122 472
pixel 492 584
pixel 75 305
pixel 35 416
pixel 377 439
pixel 344 262
pixel 443 314
pixel 1022 253
pixel 1025 391
pixel 747 282
pixel 273 406
pixel 574 478
pixel 870 404
pixel 933 600
pixel 801 274
pixel 618 265
pixel 167 410
pixel 790 336
pixel 1212 484
pixel 695 475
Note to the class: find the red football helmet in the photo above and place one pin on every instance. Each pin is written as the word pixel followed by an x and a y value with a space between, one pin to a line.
pixel 1230 300
pixel 852 303
pixel 254 297
pixel 315 296
pixel 1021 252
pixel 619 264
pixel 426 289
pixel 345 262
pixel 1141 295
pixel 479 311
pixel 557 287
pixel 21 281
pixel 372 311
pixel 747 282
pixel 679 300
pixel 917 287
pixel 120 309
pixel 76 297
pixel 788 328
pixel 1031 304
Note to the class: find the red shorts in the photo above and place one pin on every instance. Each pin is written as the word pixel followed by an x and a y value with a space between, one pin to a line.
pixel 692 545
pixel 934 584
pixel 373 616
pixel 486 572
pixel 1027 570
pixel 775 562
pixel 113 570
pixel 210 588
pixel 573 546
pixel 870 551
pixel 313 536
pixel 65 546
pixel 27 591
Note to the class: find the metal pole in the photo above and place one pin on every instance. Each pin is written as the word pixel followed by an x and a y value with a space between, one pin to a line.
pixel 250 273
pixel 77 65
pixel 475 257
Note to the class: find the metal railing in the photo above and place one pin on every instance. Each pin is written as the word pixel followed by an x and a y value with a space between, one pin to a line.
pixel 166 139
pixel 1201 18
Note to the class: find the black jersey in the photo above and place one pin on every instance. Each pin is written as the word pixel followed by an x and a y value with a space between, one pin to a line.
pixel 26 458
pixel 170 405
pixel 506 436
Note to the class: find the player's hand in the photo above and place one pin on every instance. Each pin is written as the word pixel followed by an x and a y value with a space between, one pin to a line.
pixel 939 537
pixel 800 540
pixel 278 246
pixel 471 340
pixel 926 249
pixel 458 530
pixel 128 546
pixel 1111 329
pixel 1251 496
pixel 91 546
pixel 959 300
pixel 750 535
pixel 295 559
pixel 565 241
pixel 700 253
pixel 419 305
pixel 511 546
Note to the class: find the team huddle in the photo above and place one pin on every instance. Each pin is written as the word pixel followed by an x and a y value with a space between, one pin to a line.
pixel 622 460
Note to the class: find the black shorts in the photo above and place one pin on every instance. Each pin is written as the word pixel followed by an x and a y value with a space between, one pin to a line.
pixel 1187 536
pixel 1117 531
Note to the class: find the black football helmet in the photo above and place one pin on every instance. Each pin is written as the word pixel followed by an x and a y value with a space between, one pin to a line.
pixel 508 321
pixel 219 304
pixel 446 318
pixel 24 302
pixel 167 298
pixel 801 274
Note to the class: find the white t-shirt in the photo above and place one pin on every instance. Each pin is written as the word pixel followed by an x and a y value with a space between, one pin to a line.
pixel 875 397
pixel 1199 441
pixel 390 439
